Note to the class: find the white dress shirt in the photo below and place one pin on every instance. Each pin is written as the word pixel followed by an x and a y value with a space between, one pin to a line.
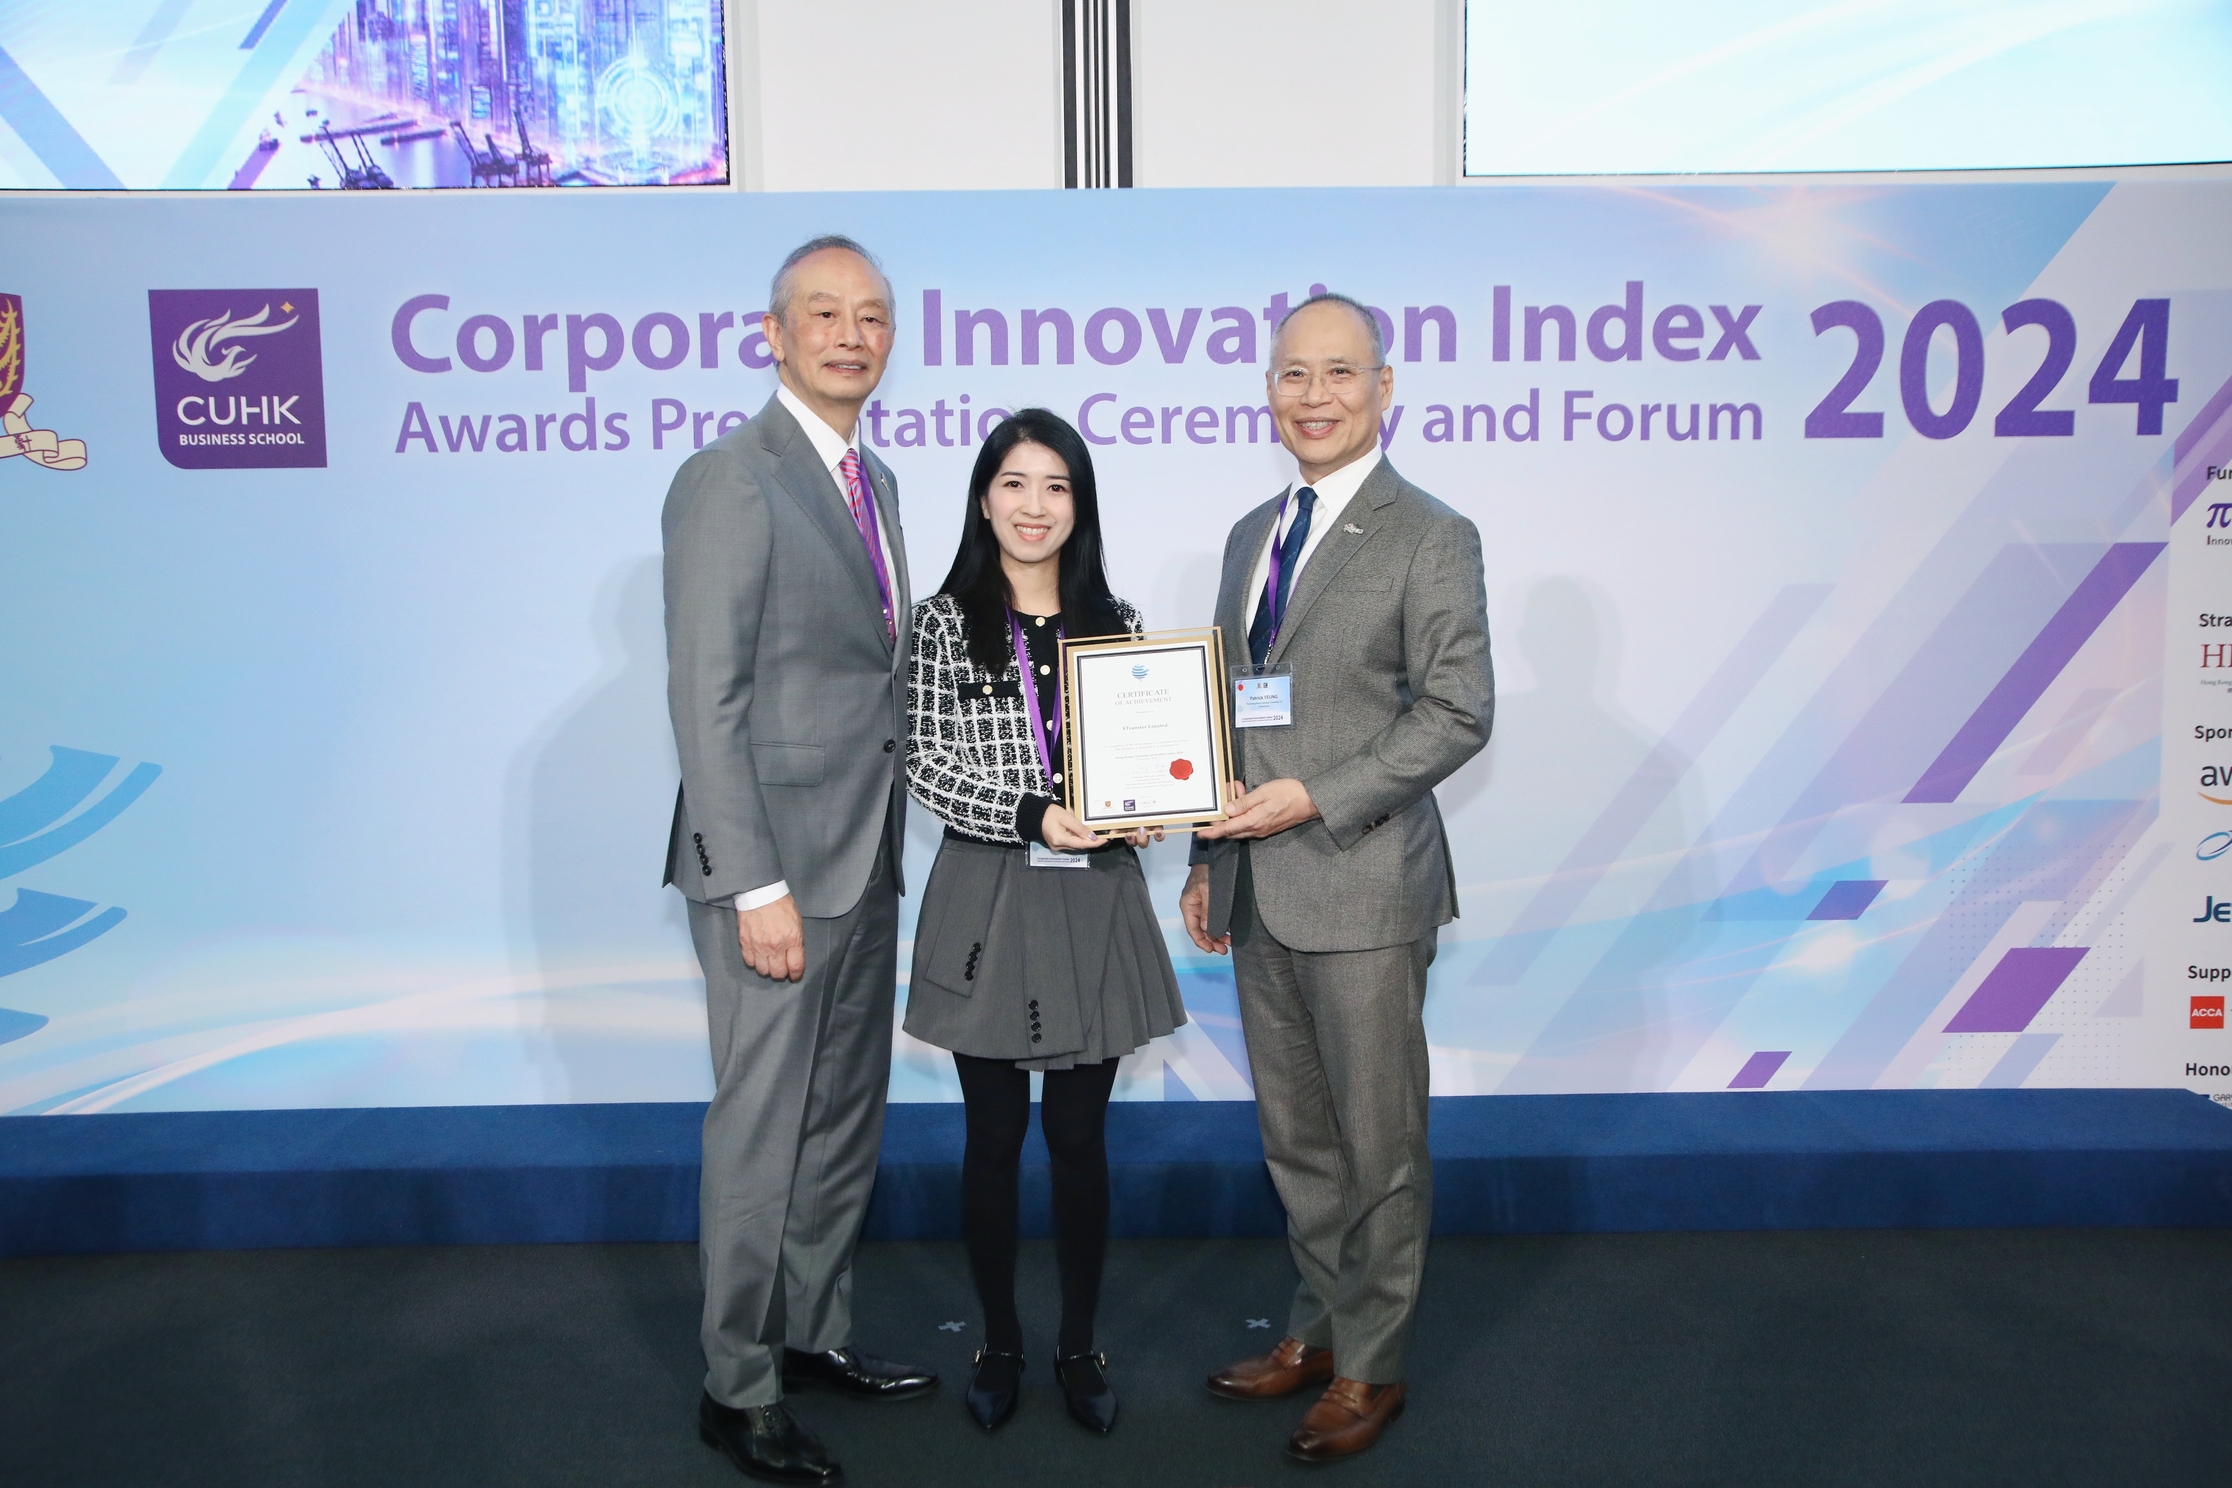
pixel 1333 495
pixel 832 447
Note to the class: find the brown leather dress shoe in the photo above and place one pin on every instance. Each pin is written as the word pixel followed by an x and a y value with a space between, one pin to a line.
pixel 1347 1419
pixel 1288 1368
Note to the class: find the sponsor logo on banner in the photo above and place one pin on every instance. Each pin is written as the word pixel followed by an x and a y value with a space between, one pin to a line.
pixel 41 447
pixel 2214 911
pixel 239 378
pixel 2214 846
pixel 2216 777
pixel 2207 1012
pixel 2220 513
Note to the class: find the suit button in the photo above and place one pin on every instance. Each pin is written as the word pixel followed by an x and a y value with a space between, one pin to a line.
pixel 890 744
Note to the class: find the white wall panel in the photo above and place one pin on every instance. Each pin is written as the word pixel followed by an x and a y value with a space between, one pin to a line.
pixel 886 95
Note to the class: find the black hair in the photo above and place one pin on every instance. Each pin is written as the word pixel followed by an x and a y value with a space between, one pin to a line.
pixel 976 579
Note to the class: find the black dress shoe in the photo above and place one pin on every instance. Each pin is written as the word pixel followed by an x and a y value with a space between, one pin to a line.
pixel 766 1442
pixel 993 1393
pixel 851 1372
pixel 1084 1381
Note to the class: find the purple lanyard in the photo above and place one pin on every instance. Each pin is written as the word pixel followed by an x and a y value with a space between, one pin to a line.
pixel 1271 583
pixel 1040 728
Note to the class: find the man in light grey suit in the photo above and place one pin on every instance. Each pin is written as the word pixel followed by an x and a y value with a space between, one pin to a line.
pixel 786 614
pixel 1330 877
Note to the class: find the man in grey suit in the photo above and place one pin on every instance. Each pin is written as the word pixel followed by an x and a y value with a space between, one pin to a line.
pixel 1331 875
pixel 786 615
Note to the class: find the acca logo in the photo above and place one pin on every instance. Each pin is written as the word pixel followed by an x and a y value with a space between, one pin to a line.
pixel 239 378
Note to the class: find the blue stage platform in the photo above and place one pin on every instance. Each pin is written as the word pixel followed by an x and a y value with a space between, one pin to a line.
pixel 509 1174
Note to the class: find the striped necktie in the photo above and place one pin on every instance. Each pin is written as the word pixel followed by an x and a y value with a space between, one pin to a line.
pixel 1286 557
pixel 864 517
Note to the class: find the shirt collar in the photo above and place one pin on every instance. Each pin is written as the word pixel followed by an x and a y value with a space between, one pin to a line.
pixel 1334 491
pixel 828 443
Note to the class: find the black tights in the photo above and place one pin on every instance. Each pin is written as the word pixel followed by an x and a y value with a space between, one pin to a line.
pixel 1073 1114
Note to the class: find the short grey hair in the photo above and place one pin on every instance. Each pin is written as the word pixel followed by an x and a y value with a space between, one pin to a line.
pixel 779 291
pixel 1362 311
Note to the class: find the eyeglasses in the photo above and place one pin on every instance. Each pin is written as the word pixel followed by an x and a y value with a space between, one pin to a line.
pixel 1294 382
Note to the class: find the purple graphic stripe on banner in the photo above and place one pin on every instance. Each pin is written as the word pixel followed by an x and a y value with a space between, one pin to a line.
pixel 2034 671
pixel 2189 455
pixel 1653 781
pixel 1759 1069
pixel 1848 899
pixel 263 24
pixel 2016 989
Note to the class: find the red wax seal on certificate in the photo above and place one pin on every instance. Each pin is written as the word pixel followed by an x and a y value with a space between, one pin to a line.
pixel 1181 769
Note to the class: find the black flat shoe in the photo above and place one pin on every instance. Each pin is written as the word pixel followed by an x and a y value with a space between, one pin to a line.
pixel 1084 1382
pixel 848 1371
pixel 991 1404
pixel 766 1442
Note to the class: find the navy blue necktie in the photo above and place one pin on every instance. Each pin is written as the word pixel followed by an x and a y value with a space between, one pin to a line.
pixel 1271 613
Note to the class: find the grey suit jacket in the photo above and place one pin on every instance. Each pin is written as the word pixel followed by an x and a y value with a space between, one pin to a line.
pixel 788 698
pixel 1386 633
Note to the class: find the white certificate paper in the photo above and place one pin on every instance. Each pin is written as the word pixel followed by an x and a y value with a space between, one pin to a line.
pixel 1148 744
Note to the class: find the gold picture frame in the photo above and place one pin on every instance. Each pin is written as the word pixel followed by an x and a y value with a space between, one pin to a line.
pixel 1111 784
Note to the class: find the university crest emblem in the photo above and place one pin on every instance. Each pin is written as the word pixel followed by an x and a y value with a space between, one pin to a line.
pixel 17 437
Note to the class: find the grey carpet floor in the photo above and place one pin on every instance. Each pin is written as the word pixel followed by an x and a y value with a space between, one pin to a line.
pixel 2020 1357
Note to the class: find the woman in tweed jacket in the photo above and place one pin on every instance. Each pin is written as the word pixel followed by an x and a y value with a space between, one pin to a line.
pixel 1037 948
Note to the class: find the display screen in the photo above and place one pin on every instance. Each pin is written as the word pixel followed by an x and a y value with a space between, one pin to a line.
pixel 1649 86
pixel 360 94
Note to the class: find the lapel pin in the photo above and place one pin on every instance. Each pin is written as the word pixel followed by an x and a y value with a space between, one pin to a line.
pixel 1352 527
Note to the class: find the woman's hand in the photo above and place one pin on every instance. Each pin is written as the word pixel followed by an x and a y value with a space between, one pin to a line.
pixel 1063 831
pixel 1141 836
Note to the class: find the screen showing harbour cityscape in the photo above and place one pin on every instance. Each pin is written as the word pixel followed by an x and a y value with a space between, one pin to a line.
pixel 361 94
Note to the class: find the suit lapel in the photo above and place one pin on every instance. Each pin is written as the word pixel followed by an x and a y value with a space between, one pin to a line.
pixel 1358 521
pixel 886 488
pixel 801 473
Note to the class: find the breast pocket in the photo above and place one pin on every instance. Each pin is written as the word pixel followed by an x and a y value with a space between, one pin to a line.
pixel 1366 573
pixel 787 764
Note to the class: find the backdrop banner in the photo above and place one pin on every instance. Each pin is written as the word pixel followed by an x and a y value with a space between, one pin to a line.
pixel 1859 562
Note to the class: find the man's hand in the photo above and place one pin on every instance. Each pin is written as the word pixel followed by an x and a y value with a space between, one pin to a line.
pixel 1266 811
pixel 773 940
pixel 1193 908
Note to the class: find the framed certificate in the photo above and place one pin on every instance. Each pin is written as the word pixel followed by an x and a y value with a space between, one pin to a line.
pixel 1145 731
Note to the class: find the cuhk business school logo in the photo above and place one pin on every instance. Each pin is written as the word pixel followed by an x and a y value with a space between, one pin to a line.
pixel 239 378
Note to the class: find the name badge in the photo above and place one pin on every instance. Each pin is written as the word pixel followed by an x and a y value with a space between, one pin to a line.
pixel 1042 856
pixel 1262 697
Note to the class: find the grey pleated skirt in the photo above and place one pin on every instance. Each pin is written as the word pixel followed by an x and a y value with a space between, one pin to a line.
pixel 1049 967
